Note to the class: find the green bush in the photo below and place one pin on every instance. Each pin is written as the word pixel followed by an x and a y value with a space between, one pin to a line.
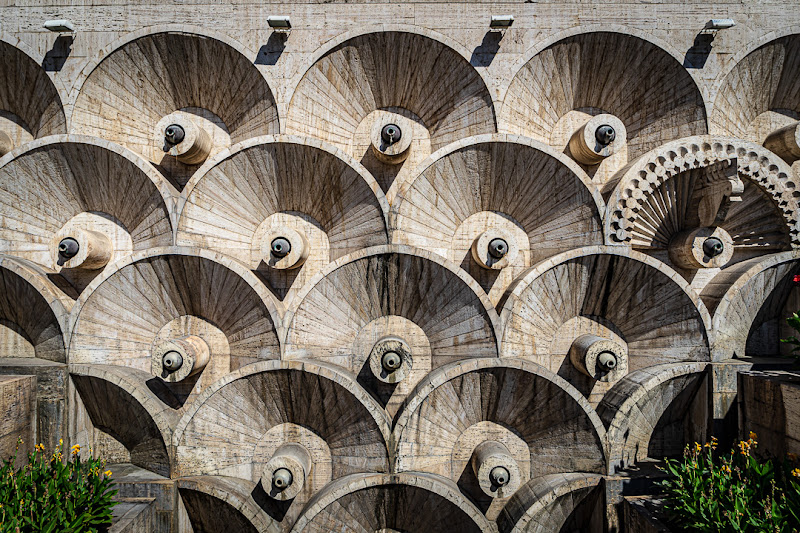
pixel 50 494
pixel 713 492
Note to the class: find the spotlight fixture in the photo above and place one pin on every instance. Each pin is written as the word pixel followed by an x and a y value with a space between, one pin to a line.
pixel 60 26
pixel 281 23
pixel 501 22
pixel 720 24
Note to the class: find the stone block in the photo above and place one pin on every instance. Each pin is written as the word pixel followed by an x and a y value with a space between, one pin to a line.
pixel 769 405
pixel 17 415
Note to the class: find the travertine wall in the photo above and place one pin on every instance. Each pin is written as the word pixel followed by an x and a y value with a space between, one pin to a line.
pixel 393 270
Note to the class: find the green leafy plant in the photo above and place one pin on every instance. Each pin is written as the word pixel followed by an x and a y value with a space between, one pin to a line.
pixel 733 492
pixel 53 495
pixel 794 322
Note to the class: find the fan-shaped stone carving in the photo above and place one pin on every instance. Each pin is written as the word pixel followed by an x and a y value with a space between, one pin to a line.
pixel 65 186
pixel 411 80
pixel 567 82
pixel 622 296
pixel 705 182
pixel 33 312
pixel 219 503
pixel 268 187
pixel 255 412
pixel 148 76
pixel 555 503
pixel 460 406
pixel 119 403
pixel 398 291
pixel 542 201
pixel 750 302
pixel 168 294
pixel 30 106
pixel 389 503
pixel 655 412
pixel 762 91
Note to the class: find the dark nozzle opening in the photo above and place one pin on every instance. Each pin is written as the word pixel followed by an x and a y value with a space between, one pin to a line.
pixel 391 133
pixel 391 361
pixel 607 361
pixel 498 248
pixel 68 248
pixel 281 247
pixel 172 361
pixel 605 135
pixel 713 246
pixel 499 476
pixel 282 478
pixel 174 134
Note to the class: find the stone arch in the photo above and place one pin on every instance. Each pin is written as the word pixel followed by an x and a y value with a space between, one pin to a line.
pixel 497 181
pixel 282 180
pixel 767 178
pixel 166 84
pixel 584 283
pixel 565 434
pixel 634 411
pixel 217 503
pixel 547 504
pixel 120 404
pixel 167 293
pixel 468 96
pixel 29 94
pixel 402 502
pixel 33 312
pixel 770 84
pixel 748 297
pixel 679 107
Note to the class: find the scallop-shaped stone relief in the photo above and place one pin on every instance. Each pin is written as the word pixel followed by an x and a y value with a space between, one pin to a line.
pixel 412 84
pixel 556 93
pixel 75 204
pixel 207 90
pixel 534 422
pixel 498 191
pixel 30 106
pixel 284 206
pixel 390 315
pixel 190 318
pixel 387 504
pixel 638 312
pixel 289 428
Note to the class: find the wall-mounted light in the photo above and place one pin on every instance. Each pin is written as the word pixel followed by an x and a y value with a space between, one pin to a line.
pixel 720 24
pixel 501 22
pixel 279 23
pixel 60 26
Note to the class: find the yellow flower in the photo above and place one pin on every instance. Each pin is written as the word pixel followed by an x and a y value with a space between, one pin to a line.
pixel 40 447
pixel 796 472
pixel 744 447
pixel 726 469
pixel 697 447
pixel 76 449
pixel 107 472
pixel 753 435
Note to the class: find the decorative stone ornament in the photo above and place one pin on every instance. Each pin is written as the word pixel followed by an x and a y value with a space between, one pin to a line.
pixel 179 136
pixel 497 472
pixel 601 359
pixel 284 248
pixel 602 136
pixel 495 249
pixel 707 247
pixel 390 359
pixel 784 142
pixel 284 475
pixel 75 247
pixel 391 137
pixel 177 359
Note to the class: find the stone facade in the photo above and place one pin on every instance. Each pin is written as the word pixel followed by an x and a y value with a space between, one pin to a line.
pixel 392 269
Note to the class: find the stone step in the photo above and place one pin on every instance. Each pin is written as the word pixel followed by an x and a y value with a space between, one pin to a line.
pixel 133 515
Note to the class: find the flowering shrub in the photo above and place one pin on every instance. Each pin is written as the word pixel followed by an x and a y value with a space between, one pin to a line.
pixel 712 492
pixel 52 495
